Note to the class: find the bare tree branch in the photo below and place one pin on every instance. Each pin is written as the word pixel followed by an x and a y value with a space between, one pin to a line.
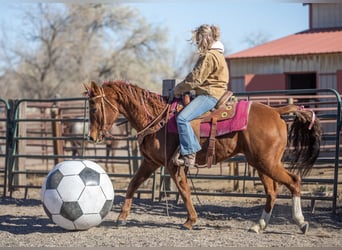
pixel 64 45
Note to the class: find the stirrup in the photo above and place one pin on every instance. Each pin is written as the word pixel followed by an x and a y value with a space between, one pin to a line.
pixel 176 158
pixel 189 160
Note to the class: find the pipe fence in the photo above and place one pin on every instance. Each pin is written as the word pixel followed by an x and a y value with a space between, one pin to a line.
pixel 37 134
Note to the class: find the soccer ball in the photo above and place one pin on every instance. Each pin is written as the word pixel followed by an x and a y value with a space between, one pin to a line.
pixel 77 195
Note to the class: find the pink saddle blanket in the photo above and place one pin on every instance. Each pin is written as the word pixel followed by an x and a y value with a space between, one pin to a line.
pixel 237 123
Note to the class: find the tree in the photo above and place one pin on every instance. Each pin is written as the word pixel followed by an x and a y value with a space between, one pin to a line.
pixel 68 44
pixel 256 38
pixel 183 62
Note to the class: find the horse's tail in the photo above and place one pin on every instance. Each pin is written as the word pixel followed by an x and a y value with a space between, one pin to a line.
pixel 304 138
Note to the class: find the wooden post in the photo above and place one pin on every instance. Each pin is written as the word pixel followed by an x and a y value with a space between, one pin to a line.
pixel 168 86
pixel 57 133
pixel 234 171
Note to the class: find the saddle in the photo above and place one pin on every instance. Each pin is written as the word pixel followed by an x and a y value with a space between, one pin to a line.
pixel 221 120
pixel 223 111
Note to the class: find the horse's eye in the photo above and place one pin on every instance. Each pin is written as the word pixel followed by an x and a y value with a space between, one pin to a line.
pixel 93 110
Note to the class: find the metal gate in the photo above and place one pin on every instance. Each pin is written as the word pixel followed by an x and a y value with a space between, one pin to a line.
pixel 47 131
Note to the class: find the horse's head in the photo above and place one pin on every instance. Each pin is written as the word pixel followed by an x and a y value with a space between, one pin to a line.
pixel 102 112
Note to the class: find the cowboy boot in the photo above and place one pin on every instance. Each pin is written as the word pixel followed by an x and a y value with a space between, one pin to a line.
pixel 176 158
pixel 189 160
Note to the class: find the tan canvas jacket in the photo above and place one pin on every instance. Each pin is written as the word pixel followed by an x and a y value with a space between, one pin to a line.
pixel 210 76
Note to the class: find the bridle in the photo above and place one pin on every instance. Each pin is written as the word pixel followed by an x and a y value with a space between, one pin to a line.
pixel 157 122
pixel 104 126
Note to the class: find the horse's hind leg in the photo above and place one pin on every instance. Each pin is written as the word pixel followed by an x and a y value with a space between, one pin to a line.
pixel 292 182
pixel 144 171
pixel 271 189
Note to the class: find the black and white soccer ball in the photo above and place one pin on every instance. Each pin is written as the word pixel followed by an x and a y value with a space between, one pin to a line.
pixel 77 195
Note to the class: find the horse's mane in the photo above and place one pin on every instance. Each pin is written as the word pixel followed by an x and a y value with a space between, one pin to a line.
pixel 130 93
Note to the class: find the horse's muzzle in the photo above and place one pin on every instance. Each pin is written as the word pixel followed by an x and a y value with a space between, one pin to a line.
pixel 95 137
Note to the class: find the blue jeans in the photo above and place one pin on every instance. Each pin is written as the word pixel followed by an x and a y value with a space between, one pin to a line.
pixel 188 141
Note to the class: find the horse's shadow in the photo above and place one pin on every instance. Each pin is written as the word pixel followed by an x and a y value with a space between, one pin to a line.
pixel 282 214
pixel 26 224
pixel 208 212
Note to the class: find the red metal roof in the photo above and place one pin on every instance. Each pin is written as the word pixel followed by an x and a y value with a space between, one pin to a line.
pixel 306 42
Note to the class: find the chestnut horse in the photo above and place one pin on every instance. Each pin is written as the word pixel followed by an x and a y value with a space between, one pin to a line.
pixel 263 143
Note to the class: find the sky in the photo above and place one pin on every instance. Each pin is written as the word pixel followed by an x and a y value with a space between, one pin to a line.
pixel 237 19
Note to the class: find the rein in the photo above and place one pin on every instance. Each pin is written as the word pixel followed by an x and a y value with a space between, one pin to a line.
pixel 166 109
pixel 142 133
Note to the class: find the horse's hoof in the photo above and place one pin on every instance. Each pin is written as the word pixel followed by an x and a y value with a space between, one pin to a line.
pixel 189 224
pixel 255 229
pixel 121 223
pixel 186 227
pixel 304 227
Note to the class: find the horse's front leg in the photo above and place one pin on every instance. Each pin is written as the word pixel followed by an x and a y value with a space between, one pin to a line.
pixel 144 171
pixel 178 175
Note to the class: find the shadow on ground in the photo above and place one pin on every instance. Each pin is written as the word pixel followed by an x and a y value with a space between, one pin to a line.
pixel 26 224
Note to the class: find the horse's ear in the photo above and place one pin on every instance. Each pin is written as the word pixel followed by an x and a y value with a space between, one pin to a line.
pixel 95 87
pixel 87 90
pixel 86 86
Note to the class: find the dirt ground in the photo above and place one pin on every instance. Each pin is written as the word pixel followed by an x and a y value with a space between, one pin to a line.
pixel 223 222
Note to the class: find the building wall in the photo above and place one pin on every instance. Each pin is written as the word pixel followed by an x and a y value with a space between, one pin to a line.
pixel 324 63
pixel 327 15
pixel 327 81
pixel 265 82
pixel 339 81
pixel 326 66
pixel 237 84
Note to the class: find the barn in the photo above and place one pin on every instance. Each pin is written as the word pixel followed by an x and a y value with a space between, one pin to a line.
pixel 310 59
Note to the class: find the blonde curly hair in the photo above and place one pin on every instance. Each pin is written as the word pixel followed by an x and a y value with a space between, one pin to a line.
pixel 204 36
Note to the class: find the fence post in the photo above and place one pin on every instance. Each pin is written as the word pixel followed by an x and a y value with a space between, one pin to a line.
pixel 14 164
pixel 56 133
pixel 22 146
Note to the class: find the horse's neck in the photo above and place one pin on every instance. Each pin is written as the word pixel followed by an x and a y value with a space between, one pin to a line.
pixel 141 110
pixel 135 115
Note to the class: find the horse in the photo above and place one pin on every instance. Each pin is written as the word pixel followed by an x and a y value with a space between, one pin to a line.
pixel 263 142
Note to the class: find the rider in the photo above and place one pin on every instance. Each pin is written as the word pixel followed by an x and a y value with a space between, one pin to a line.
pixel 208 80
